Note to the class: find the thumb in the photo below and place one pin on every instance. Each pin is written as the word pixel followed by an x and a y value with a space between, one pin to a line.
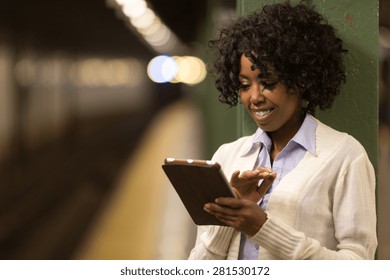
pixel 267 182
pixel 234 177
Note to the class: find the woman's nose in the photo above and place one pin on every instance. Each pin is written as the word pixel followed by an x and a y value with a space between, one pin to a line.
pixel 257 94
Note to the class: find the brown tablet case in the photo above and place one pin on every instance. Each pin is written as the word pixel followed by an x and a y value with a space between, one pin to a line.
pixel 197 183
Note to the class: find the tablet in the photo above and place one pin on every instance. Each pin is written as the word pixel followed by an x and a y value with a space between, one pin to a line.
pixel 198 182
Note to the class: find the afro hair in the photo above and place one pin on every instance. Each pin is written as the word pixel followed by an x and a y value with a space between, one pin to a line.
pixel 296 42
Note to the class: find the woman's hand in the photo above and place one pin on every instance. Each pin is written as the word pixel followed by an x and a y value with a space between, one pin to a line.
pixel 243 213
pixel 245 184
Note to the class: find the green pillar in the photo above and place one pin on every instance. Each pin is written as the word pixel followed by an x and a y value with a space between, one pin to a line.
pixel 219 120
pixel 355 110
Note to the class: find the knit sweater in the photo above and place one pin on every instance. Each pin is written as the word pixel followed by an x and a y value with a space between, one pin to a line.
pixel 323 209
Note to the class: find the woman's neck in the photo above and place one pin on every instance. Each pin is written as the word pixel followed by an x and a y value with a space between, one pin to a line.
pixel 283 135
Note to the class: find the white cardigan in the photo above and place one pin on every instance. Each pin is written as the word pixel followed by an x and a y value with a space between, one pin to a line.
pixel 323 209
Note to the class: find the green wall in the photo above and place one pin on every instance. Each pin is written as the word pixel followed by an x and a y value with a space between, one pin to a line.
pixel 356 109
pixel 219 120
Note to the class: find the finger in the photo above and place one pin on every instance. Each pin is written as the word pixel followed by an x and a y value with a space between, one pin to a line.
pixel 257 174
pixel 220 211
pixel 267 182
pixel 249 174
pixel 211 209
pixel 237 193
pixel 226 221
pixel 235 175
pixel 234 178
pixel 264 169
pixel 216 208
pixel 229 202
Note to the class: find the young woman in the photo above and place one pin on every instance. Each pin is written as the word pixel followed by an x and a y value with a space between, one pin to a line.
pixel 304 190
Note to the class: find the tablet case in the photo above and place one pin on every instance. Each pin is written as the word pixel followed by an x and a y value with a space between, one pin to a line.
pixel 197 183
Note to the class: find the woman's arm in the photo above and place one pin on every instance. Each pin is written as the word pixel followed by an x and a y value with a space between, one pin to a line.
pixel 212 243
pixel 354 220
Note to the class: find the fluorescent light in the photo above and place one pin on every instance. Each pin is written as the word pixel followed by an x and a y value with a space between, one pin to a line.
pixel 148 25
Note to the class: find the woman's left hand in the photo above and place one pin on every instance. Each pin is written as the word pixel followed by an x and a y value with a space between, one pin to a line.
pixel 243 215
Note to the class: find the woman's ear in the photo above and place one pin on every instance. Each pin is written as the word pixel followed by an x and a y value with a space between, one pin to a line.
pixel 295 90
pixel 305 103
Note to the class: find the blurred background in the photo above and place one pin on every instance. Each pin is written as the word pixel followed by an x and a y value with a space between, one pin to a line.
pixel 94 94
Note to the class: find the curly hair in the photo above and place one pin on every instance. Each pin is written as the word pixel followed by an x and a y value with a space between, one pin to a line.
pixel 295 42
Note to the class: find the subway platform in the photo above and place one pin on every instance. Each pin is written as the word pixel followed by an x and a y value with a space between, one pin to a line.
pixel 144 218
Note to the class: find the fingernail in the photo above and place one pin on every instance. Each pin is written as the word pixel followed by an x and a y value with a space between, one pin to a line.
pixel 273 174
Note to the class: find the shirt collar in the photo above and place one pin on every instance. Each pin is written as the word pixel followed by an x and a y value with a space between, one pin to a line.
pixel 306 137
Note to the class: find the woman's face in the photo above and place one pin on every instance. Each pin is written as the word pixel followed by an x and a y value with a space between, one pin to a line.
pixel 271 107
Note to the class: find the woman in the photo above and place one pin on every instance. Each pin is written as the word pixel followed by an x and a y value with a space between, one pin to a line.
pixel 304 190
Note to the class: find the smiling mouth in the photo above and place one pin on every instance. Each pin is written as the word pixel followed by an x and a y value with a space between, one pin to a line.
pixel 262 114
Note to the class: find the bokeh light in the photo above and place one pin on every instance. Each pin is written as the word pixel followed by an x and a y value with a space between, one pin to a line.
pixel 188 70
pixel 148 24
pixel 162 69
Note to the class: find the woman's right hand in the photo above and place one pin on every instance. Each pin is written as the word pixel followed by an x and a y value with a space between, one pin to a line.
pixel 245 184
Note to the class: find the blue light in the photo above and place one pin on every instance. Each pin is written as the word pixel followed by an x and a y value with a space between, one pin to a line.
pixel 162 69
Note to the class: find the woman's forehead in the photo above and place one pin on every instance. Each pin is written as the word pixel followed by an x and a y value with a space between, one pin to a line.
pixel 264 71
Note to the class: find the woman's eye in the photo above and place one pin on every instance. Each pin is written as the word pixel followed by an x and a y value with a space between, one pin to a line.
pixel 268 85
pixel 244 87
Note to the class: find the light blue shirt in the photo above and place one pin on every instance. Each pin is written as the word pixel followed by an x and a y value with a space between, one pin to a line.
pixel 303 141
